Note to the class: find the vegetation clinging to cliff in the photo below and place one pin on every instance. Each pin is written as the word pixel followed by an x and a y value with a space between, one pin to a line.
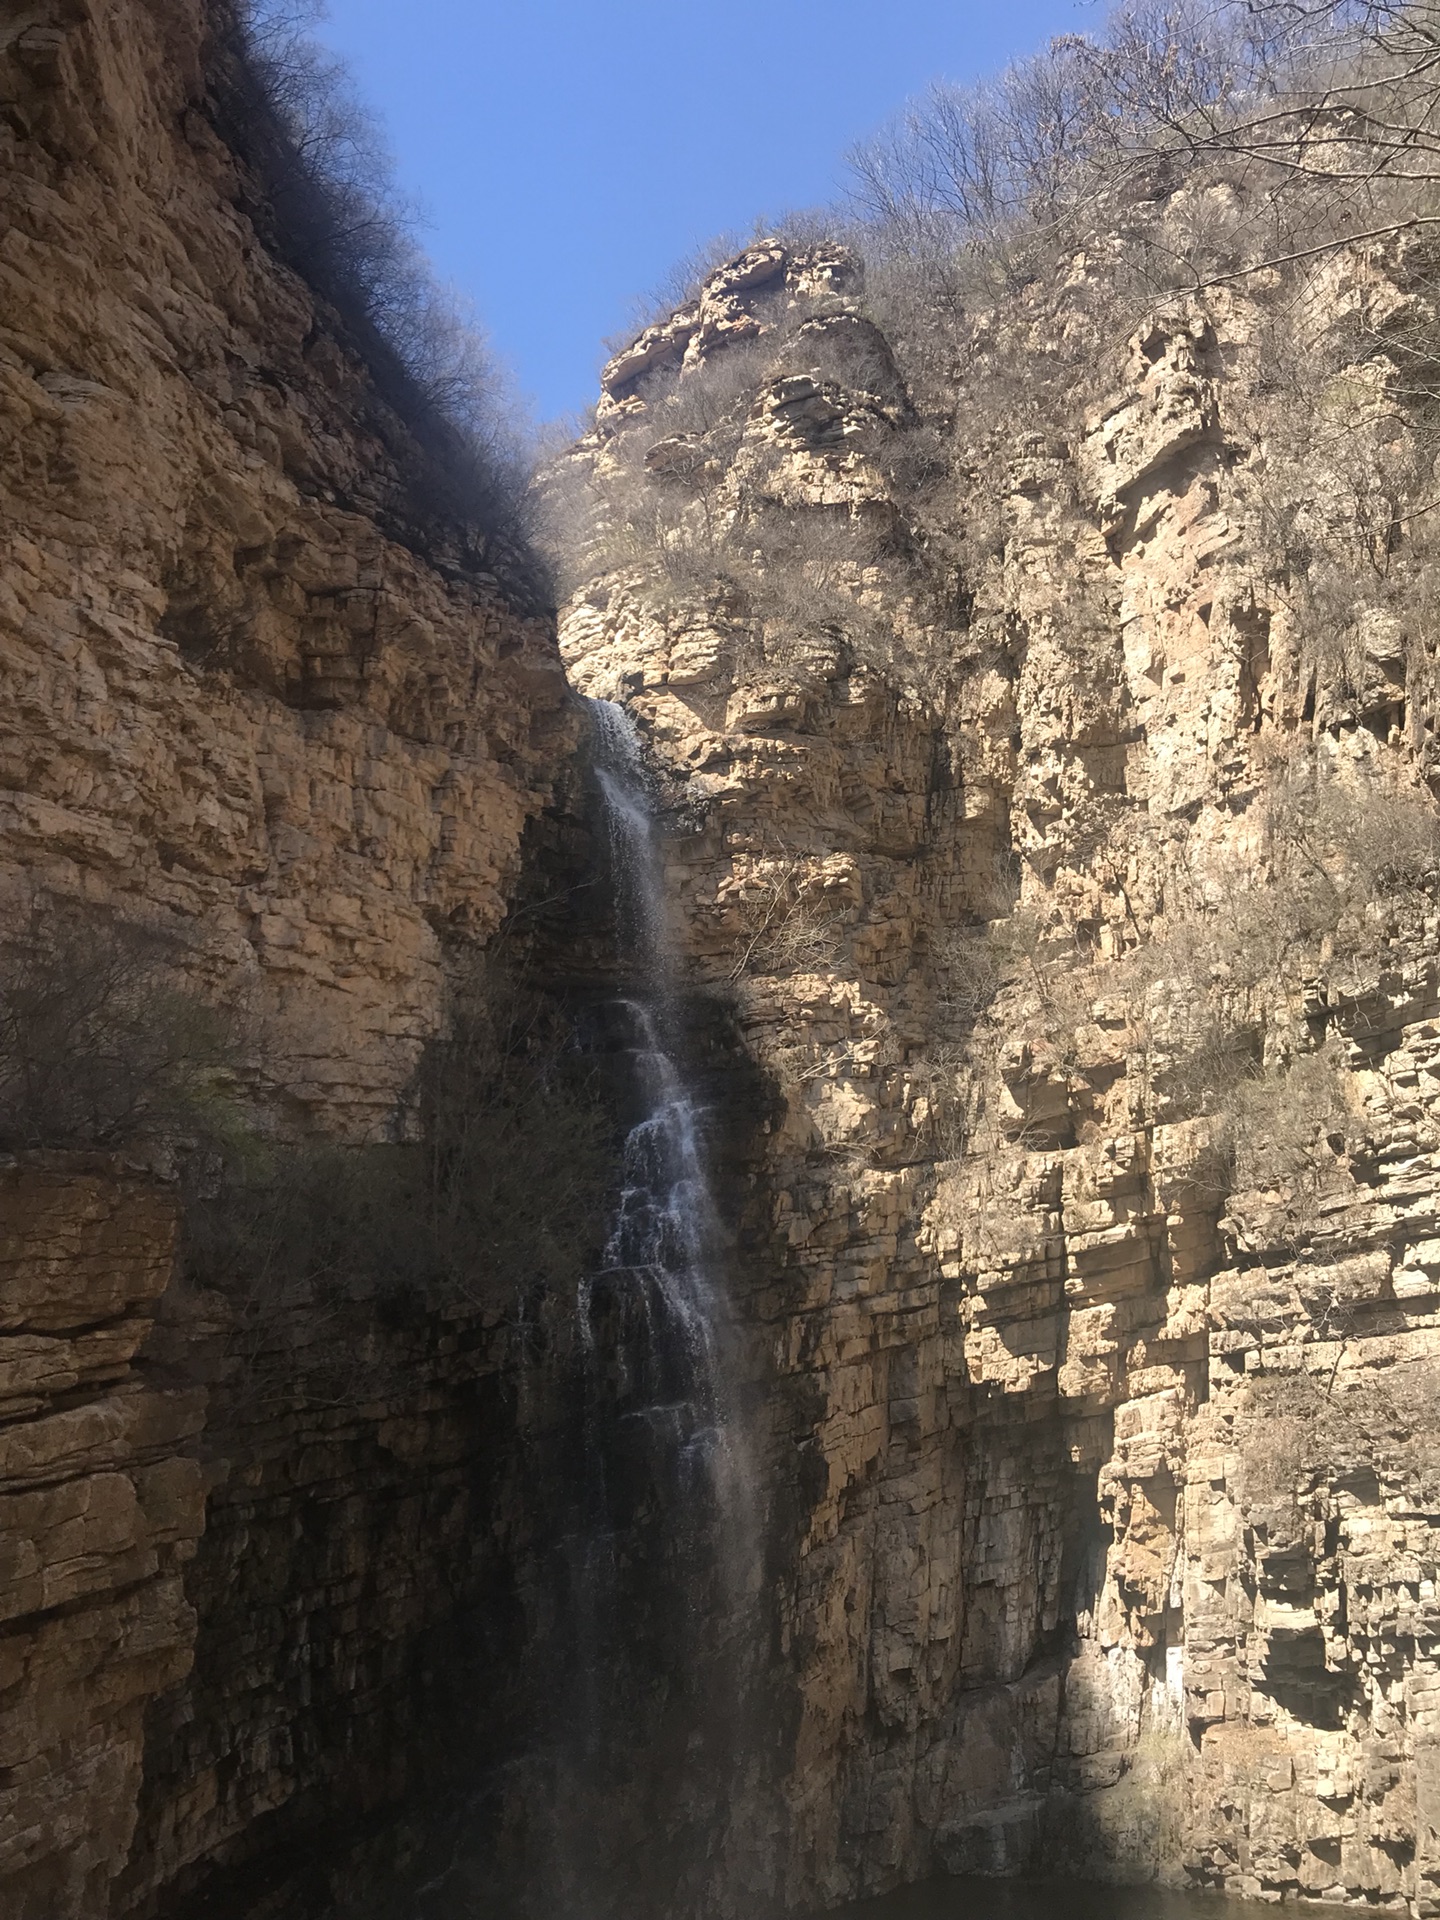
pixel 326 201
pixel 102 1045
pixel 1174 215
pixel 1012 235
pixel 1337 95
pixel 494 1183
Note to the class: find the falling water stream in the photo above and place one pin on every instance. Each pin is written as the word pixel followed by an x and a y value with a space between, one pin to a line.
pixel 663 1562
pixel 665 1240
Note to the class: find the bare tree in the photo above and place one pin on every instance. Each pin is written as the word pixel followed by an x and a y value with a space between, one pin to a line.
pixel 323 195
pixel 1341 94
pixel 102 1043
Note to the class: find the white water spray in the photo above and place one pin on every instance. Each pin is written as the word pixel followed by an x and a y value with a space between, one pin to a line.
pixel 665 1238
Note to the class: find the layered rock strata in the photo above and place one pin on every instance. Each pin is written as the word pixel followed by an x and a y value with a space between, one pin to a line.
pixel 250 693
pixel 103 1501
pixel 1114 1483
pixel 256 698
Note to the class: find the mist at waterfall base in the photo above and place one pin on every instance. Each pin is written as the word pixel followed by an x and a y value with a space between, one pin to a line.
pixel 608 1761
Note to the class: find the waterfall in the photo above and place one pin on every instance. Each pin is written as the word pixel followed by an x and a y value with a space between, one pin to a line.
pixel 665 1239
pixel 663 1567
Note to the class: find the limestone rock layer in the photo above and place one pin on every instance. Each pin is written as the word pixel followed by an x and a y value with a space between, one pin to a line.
pixel 1047 760
pixel 1098 1196
pixel 258 701
pixel 250 693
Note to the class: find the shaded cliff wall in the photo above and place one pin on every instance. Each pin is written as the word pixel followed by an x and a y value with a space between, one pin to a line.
pixel 1098 1363
pixel 282 1634
pixel 255 699
pixel 103 1502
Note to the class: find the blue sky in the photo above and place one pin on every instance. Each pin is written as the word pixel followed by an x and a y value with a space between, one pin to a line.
pixel 568 152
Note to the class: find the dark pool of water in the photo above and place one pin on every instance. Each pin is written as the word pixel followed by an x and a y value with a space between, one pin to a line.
pixel 966 1899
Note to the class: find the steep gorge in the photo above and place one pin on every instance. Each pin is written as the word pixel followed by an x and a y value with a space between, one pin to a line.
pixel 1050 874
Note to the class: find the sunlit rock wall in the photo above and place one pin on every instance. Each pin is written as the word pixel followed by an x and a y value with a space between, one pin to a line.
pixel 248 691
pixel 1104 1494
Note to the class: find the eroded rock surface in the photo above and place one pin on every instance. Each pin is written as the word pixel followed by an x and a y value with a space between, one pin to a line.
pixel 103 1501
pixel 257 696
pixel 1115 1485
pixel 249 689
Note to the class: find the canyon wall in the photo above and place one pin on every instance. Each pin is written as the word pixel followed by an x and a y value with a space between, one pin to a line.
pixel 1052 856
pixel 261 702
pixel 255 692
pixel 103 1502
pixel 1097 1278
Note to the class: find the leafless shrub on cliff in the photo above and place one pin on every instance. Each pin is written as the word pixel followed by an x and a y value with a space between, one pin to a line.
pixel 101 1043
pixel 328 205
pixel 1343 858
pixel 1301 1432
pixel 1013 235
pixel 984 973
pixel 656 502
pixel 970 964
pixel 1279 1435
pixel 1286 1128
pixel 1341 498
pixel 837 344
pixel 713 397
pixel 1211 1006
pixel 497 1179
pixel 1331 96
pixel 785 926
pixel 1230 1001
pixel 668 541
pixel 1221 1013
pixel 1352 105
pixel 975 158
pixel 1007 227
pixel 713 495
pixel 801 571
pixel 938 1106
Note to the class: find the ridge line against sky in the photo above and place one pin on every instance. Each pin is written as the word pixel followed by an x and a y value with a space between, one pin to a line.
pixel 568 152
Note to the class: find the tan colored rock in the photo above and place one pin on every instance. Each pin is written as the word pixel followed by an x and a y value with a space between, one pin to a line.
pixel 252 692
pixel 239 698
pixel 1083 1383
pixel 101 1503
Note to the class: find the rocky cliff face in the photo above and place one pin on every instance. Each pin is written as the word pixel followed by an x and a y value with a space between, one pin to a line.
pixel 1056 874
pixel 103 1503
pixel 1045 748
pixel 251 693
pixel 255 700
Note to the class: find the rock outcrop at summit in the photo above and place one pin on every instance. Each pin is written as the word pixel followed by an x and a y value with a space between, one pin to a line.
pixel 1060 831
